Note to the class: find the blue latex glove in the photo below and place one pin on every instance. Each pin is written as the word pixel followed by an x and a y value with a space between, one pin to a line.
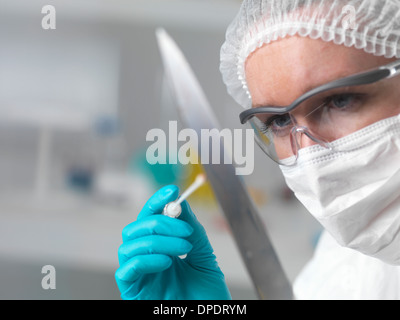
pixel 149 264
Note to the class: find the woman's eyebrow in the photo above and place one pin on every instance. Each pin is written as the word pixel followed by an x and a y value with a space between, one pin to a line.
pixel 304 91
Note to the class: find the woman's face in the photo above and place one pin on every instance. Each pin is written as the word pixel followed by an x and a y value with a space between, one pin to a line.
pixel 284 70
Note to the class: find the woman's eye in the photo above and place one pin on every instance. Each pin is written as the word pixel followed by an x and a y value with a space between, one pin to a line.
pixel 280 121
pixel 277 123
pixel 342 101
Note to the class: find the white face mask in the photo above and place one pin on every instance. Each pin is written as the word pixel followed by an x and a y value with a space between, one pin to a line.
pixel 355 194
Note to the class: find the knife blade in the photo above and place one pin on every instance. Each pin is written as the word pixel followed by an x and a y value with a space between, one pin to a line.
pixel 249 233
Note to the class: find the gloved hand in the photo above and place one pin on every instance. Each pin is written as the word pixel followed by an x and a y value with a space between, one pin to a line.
pixel 149 264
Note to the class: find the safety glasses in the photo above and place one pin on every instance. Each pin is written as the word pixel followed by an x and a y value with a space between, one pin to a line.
pixel 322 115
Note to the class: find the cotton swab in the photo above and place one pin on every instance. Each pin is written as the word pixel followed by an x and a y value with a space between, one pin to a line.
pixel 173 209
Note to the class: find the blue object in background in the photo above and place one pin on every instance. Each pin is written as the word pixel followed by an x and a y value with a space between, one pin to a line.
pixel 80 178
pixel 158 174
pixel 106 126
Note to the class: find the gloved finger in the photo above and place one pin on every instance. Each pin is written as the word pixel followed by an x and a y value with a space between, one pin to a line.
pixel 154 244
pixel 139 265
pixel 157 202
pixel 202 250
pixel 156 224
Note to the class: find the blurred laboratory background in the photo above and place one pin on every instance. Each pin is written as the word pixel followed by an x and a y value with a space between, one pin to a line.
pixel 76 103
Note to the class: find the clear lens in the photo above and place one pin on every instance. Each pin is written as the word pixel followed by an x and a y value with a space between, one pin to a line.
pixel 271 142
pixel 322 119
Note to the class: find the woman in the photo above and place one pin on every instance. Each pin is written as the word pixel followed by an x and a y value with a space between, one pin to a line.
pixel 319 81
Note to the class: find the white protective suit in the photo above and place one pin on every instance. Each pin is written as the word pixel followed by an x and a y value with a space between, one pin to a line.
pixel 336 272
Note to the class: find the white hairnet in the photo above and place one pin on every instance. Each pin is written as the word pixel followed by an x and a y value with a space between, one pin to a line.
pixel 371 25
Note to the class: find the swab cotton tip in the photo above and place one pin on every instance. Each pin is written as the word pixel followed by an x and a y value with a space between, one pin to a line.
pixel 173 209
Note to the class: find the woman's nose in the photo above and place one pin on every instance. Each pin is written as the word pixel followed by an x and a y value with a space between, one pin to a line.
pixel 305 141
